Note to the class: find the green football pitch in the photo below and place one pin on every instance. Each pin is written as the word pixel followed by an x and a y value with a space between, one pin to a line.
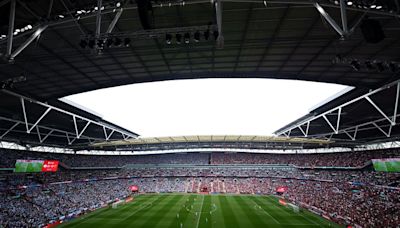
pixel 196 210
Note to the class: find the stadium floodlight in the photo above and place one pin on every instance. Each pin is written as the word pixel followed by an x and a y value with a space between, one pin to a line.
pixel 127 42
pixel 178 38
pixel 207 34
pixel 356 65
pixel 380 66
pixel 369 65
pixel 393 67
pixel 83 44
pixel 100 43
pixel 109 42
pixel 187 38
pixel 215 34
pixel 117 42
pixel 91 43
pixel 168 38
pixel 196 37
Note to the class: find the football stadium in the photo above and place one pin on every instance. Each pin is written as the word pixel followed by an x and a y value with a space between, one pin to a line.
pixel 168 113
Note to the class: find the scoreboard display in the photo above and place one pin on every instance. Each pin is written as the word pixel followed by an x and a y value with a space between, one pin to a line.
pixel 387 165
pixel 35 166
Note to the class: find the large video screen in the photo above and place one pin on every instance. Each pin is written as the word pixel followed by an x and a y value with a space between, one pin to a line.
pixel 387 165
pixel 35 166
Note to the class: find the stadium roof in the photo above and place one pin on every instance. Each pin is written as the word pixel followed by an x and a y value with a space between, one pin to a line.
pixel 212 138
pixel 263 39
pixel 357 117
pixel 285 40
pixel 213 141
pixel 53 123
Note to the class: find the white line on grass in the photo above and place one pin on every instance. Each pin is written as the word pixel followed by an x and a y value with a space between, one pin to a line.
pixel 300 213
pixel 201 209
pixel 310 220
pixel 266 212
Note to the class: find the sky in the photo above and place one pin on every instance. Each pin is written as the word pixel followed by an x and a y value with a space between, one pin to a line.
pixel 207 106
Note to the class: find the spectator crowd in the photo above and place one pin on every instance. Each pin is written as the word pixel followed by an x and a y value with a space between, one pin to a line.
pixel 347 196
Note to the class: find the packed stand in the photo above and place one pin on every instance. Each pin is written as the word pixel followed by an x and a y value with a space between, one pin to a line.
pixel 344 159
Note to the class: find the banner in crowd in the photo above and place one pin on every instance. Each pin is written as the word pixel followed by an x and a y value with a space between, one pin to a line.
pixel 281 189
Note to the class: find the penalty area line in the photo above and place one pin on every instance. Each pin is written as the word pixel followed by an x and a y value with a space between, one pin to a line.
pixel 199 215
pixel 266 212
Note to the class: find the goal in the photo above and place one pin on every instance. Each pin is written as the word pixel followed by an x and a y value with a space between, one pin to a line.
pixel 294 207
pixel 117 203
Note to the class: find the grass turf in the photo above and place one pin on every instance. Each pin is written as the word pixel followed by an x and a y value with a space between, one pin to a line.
pixel 204 211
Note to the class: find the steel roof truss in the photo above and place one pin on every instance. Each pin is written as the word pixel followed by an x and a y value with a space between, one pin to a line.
pixel 79 134
pixel 69 140
pixel 9 130
pixel 380 110
pixel 108 136
pixel 28 41
pixel 352 137
pixel 53 130
pixel 388 133
pixel 41 140
pixel 336 128
pixel 330 20
pixel 74 116
pixel 98 20
pixel 11 27
pixel 115 20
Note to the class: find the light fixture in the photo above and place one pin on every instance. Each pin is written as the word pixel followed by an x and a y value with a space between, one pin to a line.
pixel 109 42
pixel 117 42
pixel 187 38
pixel 127 42
pixel 380 66
pixel 168 38
pixel 393 67
pixel 91 43
pixel 100 43
pixel 215 34
pixel 369 65
pixel 178 38
pixel 196 37
pixel 207 34
pixel 356 65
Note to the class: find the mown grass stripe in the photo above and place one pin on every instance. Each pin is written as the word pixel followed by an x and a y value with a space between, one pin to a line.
pixel 227 212
pixel 139 212
pixel 253 217
pixel 232 211
pixel 267 208
pixel 163 212
pixel 183 213
pixel 205 217
pixel 217 216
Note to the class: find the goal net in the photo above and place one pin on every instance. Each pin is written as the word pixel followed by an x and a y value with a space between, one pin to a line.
pixel 117 203
pixel 295 208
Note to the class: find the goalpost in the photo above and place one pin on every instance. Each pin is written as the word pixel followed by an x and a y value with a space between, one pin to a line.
pixel 294 207
pixel 117 204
